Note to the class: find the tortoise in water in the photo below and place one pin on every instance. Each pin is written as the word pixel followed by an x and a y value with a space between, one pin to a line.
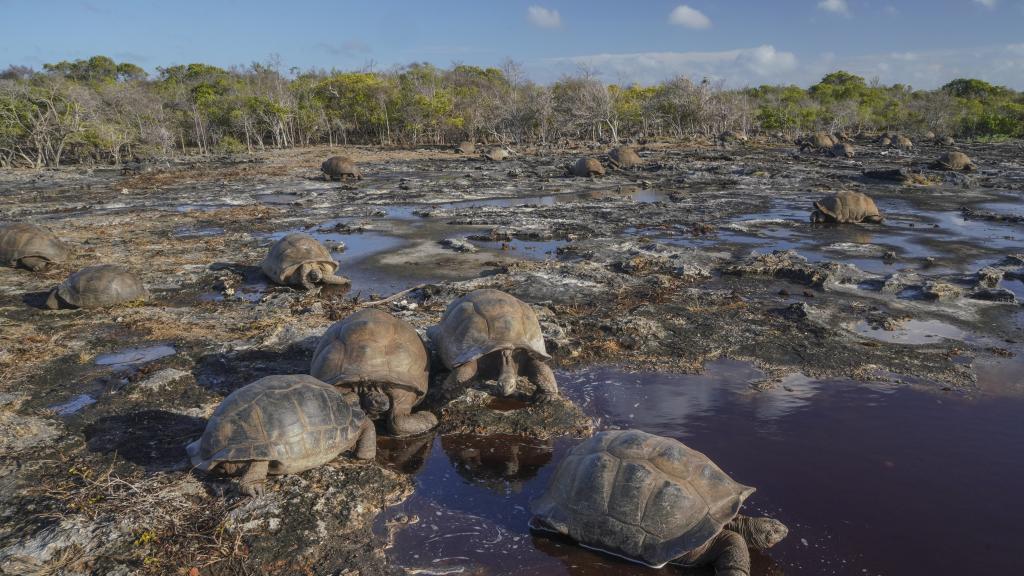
pixel 379 362
pixel 489 330
pixel 300 260
pixel 97 287
pixel 587 167
pixel 280 425
pixel 902 142
pixel 340 168
pixel 30 246
pixel 846 207
pixel 624 157
pixel 842 150
pixel 497 153
pixel 957 161
pixel 652 500
pixel 466 147
pixel 818 141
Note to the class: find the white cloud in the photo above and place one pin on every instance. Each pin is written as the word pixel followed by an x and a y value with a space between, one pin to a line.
pixel 683 15
pixel 987 3
pixel 837 6
pixel 541 16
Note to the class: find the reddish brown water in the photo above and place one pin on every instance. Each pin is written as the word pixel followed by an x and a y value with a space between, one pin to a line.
pixel 870 479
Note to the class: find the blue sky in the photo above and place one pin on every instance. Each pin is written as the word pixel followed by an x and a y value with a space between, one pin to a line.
pixel 921 42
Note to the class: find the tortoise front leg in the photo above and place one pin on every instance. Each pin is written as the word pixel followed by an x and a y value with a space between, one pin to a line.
pixel 254 481
pixel 459 377
pixel 543 378
pixel 52 301
pixel 509 373
pixel 366 444
pixel 726 552
pixel 761 533
pixel 401 422
pixel 34 263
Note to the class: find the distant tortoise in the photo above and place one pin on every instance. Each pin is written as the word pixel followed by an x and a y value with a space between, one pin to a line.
pixel 340 168
pixel 731 136
pixel 653 500
pixel 30 246
pixel 902 142
pixel 929 135
pixel 497 153
pixel 280 425
pixel 947 141
pixel 956 161
pixel 624 158
pixel 885 141
pixel 380 362
pixel 846 208
pixel 586 167
pixel 466 147
pixel 842 150
pixel 842 136
pixel 492 331
pixel 300 260
pixel 818 141
pixel 97 287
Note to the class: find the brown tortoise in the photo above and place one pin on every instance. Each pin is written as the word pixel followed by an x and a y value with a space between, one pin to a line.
pixel 300 260
pixel 842 150
pixel 652 500
pixel 30 246
pixel 846 207
pixel 97 287
pixel 624 158
pixel 379 362
pixel 340 168
pixel 818 141
pixel 280 425
pixel 491 331
pixel 956 161
pixel 587 167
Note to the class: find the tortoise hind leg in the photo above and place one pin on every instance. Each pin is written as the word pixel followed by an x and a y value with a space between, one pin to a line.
pixel 726 552
pixel 459 378
pixel 543 378
pixel 401 421
pixel 34 263
pixel 254 481
pixel 366 444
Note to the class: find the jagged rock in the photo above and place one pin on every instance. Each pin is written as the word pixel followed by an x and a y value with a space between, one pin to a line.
pixel 941 291
pixel 993 295
pixel 989 277
pixel 459 245
pixel 163 378
pixel 789 265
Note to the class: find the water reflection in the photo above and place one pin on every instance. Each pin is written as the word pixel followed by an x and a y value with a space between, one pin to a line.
pixel 502 462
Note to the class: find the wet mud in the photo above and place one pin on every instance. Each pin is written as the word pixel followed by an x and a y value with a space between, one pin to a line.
pixel 864 377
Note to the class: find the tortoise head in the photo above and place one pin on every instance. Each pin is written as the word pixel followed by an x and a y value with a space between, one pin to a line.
pixel 373 400
pixel 818 217
pixel 232 468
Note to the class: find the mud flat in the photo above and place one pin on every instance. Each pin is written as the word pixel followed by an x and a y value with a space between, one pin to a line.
pixel 864 378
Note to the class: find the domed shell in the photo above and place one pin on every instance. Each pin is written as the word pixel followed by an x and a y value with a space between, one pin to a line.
pixel 296 422
pixel 99 287
pixel 902 142
pixel 848 207
pixel 843 150
pixel 624 157
pixel 339 167
pixel 587 167
pixel 372 346
pixel 23 240
pixel 643 497
pixel 822 141
pixel 292 251
pixel 956 161
pixel 484 321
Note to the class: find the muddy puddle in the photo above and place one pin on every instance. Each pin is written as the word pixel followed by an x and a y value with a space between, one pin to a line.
pixel 871 478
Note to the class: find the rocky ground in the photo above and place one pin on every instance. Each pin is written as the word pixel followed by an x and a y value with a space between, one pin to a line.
pixel 705 253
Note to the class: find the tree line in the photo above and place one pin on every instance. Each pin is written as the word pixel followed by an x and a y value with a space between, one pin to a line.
pixel 101 111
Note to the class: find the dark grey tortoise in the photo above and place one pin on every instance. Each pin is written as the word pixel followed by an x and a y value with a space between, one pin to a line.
pixel 843 150
pixel 491 331
pixel 380 363
pixel 497 153
pixel 340 168
pixel 587 167
pixel 30 246
pixel 653 500
pixel 97 287
pixel 300 260
pixel 624 158
pixel 281 425
pixel 846 208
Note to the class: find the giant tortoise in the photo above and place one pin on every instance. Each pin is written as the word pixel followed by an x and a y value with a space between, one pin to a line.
pixel 491 331
pixel 380 362
pixel 340 168
pixel 624 158
pixel 97 287
pixel 652 500
pixel 956 161
pixel 497 153
pixel 300 260
pixel 30 246
pixel 846 207
pixel 821 141
pixel 280 425
pixel 584 167
pixel 843 150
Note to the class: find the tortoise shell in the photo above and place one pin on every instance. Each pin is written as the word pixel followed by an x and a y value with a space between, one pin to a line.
pixel 295 422
pixel 822 141
pixel 646 498
pixel 292 251
pixel 23 240
pixel 340 167
pixel 587 167
pixel 484 321
pixel 496 154
pixel 956 161
pixel 624 157
pixel 100 286
pixel 843 150
pixel 848 207
pixel 372 346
